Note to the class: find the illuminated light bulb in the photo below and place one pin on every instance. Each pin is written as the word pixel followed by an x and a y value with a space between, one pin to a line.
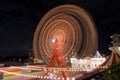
pixel 79 69
pixel 73 78
pixel 75 70
pixel 106 66
pixel 58 78
pixel 36 76
pixel 32 76
pixel 68 78
pixel 50 78
pixel 54 78
pixel 45 76
pixel 41 76
pixel 118 48
pixel 103 66
pixel 67 70
pixel 71 69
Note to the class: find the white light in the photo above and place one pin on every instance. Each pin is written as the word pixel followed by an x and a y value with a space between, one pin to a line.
pixel 48 77
pixel 53 40
pixel 86 64
pixel 41 76
pixel 73 78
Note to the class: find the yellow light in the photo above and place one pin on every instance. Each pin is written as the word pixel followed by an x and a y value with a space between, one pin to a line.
pixel 68 78
pixel 118 48
pixel 62 78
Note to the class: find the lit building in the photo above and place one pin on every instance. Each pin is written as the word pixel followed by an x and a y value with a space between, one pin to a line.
pixel 87 64
pixel 31 56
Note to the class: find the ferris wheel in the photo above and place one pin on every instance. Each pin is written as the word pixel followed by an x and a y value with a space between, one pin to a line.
pixel 74 29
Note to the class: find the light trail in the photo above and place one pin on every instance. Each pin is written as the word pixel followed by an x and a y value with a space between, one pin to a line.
pixel 72 26
pixel 4 71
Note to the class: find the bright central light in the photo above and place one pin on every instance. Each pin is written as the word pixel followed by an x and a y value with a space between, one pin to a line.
pixel 53 40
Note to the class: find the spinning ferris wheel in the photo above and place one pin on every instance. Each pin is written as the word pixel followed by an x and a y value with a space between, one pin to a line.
pixel 72 26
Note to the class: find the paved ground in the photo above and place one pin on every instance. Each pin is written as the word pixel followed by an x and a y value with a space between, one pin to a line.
pixel 37 73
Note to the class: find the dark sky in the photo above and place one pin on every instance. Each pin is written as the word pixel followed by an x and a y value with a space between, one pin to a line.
pixel 18 21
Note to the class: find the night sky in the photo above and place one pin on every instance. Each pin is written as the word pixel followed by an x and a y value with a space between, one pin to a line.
pixel 18 21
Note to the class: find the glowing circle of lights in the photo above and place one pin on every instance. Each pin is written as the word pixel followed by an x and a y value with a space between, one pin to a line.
pixel 74 29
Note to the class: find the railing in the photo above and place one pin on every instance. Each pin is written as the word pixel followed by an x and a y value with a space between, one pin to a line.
pixel 112 73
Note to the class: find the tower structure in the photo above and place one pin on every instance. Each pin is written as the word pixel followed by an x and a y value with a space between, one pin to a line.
pixel 116 40
pixel 116 43
pixel 56 57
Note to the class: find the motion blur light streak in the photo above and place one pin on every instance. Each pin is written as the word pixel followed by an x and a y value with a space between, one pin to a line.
pixel 14 73
pixel 74 29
